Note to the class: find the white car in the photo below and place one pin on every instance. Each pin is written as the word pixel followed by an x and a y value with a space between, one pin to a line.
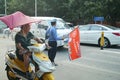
pixel 34 29
pixel 91 34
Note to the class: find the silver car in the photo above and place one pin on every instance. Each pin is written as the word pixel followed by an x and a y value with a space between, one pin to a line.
pixel 91 34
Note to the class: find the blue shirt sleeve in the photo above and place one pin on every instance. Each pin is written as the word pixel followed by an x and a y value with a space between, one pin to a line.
pixel 55 34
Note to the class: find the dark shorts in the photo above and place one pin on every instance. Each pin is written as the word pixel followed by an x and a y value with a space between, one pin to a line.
pixel 20 57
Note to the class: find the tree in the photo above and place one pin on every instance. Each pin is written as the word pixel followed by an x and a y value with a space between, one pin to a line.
pixel 2 7
pixel 112 11
pixel 69 10
pixel 25 6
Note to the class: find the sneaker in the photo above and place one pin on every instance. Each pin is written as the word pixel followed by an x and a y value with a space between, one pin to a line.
pixel 29 76
pixel 54 64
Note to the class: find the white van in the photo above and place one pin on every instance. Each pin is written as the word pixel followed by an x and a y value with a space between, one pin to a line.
pixel 45 22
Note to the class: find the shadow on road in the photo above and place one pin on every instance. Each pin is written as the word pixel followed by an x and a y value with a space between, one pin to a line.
pixel 115 47
pixel 60 49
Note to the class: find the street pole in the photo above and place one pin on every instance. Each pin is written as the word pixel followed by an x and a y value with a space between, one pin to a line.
pixel 102 41
pixel 5 8
pixel 35 7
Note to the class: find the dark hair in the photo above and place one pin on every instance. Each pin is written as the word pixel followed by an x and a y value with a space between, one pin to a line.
pixel 53 23
pixel 22 27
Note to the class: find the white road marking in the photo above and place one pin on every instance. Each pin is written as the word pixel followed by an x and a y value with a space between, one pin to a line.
pixel 103 61
pixel 109 51
pixel 90 67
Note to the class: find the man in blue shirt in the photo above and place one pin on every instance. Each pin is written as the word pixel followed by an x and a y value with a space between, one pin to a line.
pixel 52 41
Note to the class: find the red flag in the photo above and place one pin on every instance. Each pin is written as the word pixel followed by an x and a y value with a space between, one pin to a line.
pixel 74 44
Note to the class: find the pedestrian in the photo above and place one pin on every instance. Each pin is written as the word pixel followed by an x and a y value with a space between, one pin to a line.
pixel 52 41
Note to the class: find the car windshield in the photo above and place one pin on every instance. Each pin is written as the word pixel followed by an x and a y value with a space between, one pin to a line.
pixel 112 27
pixel 59 25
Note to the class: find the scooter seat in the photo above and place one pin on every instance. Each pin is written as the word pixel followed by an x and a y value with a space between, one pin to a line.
pixel 15 62
pixel 11 56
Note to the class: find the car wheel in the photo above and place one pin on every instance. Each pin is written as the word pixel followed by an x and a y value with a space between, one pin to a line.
pixel 106 42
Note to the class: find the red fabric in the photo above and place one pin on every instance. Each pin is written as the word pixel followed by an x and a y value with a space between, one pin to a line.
pixel 17 19
pixel 74 44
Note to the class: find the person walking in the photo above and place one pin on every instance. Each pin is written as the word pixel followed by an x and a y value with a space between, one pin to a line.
pixel 52 41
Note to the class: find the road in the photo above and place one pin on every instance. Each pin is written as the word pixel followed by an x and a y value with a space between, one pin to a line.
pixel 95 64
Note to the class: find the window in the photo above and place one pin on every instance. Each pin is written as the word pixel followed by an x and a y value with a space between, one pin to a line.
pixel 60 24
pixel 95 27
pixel 84 27
pixel 43 24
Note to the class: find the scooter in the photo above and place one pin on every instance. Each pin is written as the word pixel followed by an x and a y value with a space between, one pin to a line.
pixel 41 69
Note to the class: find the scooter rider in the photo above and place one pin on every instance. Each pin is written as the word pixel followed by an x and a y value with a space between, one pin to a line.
pixel 22 40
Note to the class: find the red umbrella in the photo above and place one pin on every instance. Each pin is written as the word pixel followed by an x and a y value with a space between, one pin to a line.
pixel 17 19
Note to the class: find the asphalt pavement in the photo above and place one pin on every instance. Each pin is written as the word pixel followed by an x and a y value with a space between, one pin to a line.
pixel 95 64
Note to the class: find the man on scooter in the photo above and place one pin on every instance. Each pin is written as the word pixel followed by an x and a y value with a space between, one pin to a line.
pixel 22 40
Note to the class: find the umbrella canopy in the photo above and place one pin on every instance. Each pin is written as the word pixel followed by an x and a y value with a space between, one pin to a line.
pixel 17 19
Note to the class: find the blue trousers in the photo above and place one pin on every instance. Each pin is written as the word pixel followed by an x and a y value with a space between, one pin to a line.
pixel 52 51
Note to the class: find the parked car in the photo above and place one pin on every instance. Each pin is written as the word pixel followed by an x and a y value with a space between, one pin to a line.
pixel 62 27
pixel 34 29
pixel 2 26
pixel 91 34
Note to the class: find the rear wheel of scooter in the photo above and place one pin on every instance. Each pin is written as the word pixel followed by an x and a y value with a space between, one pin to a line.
pixel 48 76
pixel 11 75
